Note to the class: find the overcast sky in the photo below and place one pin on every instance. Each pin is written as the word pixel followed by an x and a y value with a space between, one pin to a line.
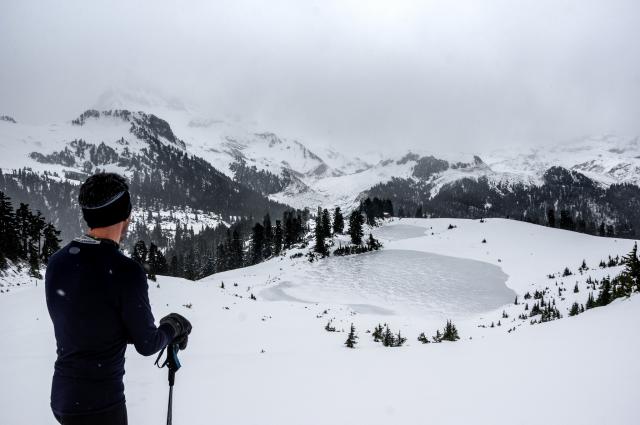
pixel 360 74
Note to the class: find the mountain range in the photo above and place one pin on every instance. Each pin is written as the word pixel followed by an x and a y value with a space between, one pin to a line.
pixel 191 169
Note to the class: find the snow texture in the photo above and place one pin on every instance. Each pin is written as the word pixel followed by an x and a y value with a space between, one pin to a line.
pixel 271 361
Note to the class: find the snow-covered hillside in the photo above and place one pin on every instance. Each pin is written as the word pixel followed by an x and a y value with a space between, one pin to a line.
pixel 270 360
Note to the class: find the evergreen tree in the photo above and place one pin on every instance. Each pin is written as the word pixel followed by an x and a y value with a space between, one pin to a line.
pixel 161 263
pixel 8 229
pixel 632 267
pixel 437 337
pixel 51 242
pixel 320 247
pixel 23 220
pixel 377 333
pixel 140 253
pixel 423 338
pixel 268 236
pixel 604 297
pixel 257 243
pixel 338 221
pixel 351 338
pixel 174 267
pixel 450 332
pixel 152 261
pixel 189 265
pixel 355 227
pixel 326 223
pixel 277 238
pixel 388 339
pixel 575 309
pixel 551 217
pixel 236 255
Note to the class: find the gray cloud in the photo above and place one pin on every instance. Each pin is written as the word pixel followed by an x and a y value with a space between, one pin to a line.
pixel 362 74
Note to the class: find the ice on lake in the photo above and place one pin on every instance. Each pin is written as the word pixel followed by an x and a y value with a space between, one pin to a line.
pixel 399 281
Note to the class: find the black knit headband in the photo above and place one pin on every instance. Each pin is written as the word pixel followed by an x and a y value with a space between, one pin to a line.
pixel 113 211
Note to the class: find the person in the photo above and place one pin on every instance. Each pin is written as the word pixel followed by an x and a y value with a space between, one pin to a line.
pixel 98 302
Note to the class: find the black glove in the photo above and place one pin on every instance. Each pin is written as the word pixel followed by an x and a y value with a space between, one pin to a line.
pixel 181 329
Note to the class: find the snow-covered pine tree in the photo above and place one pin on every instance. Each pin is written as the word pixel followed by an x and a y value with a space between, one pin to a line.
pixel 351 338
pixel 450 332
pixel 388 339
pixel 437 337
pixel 632 267
pixel 575 309
pixel 377 333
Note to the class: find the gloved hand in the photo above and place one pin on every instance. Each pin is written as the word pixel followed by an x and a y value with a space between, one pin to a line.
pixel 181 329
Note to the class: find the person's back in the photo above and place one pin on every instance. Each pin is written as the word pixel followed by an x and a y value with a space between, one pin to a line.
pixel 98 303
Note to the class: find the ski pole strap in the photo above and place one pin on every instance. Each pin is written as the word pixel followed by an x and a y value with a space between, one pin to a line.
pixel 171 362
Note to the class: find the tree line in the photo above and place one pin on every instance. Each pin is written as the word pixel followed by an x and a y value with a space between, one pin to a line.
pixel 26 237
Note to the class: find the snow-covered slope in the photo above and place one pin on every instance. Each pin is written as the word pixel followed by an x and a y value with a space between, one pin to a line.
pixel 270 361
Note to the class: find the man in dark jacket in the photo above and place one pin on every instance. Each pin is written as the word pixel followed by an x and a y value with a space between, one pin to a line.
pixel 98 302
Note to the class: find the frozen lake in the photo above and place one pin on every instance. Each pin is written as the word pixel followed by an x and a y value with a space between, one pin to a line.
pixel 399 281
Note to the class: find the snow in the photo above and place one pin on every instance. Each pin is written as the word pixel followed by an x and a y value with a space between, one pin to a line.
pixel 581 369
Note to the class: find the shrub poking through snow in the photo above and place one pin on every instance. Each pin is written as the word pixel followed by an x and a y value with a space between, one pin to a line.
pixel 423 338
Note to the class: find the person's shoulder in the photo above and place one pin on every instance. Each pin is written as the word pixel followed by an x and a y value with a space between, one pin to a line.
pixel 129 265
pixel 60 253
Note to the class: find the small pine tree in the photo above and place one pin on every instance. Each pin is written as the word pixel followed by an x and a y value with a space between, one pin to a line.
pixel 604 297
pixel 377 333
pixel 399 340
pixel 329 327
pixel 388 340
pixel 351 338
pixel 450 332
pixel 632 266
pixel 423 338
pixel 437 337
pixel 575 309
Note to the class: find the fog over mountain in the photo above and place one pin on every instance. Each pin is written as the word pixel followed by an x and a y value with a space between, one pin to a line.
pixel 361 75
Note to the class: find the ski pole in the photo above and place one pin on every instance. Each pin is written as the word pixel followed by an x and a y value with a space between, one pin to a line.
pixel 173 364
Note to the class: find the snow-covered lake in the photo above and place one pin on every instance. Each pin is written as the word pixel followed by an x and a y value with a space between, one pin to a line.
pixel 392 280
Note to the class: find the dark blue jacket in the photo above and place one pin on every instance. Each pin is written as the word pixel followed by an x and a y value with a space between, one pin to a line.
pixel 98 302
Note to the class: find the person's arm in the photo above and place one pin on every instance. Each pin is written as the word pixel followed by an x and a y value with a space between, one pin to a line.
pixel 138 318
